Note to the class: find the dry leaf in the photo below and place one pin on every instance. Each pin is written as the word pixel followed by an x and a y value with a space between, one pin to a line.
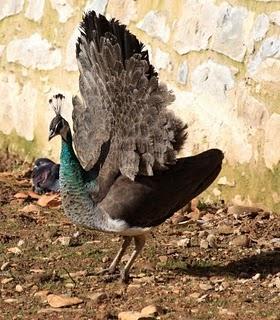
pixel 51 201
pixel 29 208
pixel 59 301
pixel 21 195
pixel 33 195
pixel 14 250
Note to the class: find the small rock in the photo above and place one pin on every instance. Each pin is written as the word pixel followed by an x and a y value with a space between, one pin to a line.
pixel 239 210
pixel 69 285
pixel 59 301
pixel 64 241
pixel 134 315
pixel 212 241
pixel 6 280
pixel 204 244
pixel 194 295
pixel 184 242
pixel 226 312
pixel 11 300
pixel 277 283
pixel 19 288
pixel 225 229
pixel 151 310
pixel 42 295
pixel 97 297
pixel 20 243
pixel 163 259
pixel 205 286
pixel 14 250
pixel 133 287
pixel 4 266
pixel 256 276
pixel 241 241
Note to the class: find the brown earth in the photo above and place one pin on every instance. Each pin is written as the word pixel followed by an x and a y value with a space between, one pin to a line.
pixel 212 263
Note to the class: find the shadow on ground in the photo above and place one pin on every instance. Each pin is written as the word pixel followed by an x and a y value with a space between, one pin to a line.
pixel 264 263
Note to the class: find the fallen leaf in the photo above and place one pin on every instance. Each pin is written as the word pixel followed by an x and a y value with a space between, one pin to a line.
pixel 14 250
pixel 33 195
pixel 59 301
pixel 21 195
pixel 51 201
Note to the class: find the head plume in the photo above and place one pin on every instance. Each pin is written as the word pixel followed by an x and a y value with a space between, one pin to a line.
pixel 56 103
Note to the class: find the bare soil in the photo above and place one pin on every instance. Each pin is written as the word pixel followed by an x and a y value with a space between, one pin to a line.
pixel 236 277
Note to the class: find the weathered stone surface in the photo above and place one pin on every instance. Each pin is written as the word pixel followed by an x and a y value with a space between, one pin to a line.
pixel 35 10
pixel 260 27
pixel 59 301
pixel 253 112
pixel 270 48
pixel 274 17
pixel 272 141
pixel 155 25
pixel 99 6
pixel 2 48
pixel 212 78
pixel 124 10
pixel 10 7
pixel 231 35
pixel 191 32
pixel 182 74
pixel 13 96
pixel 63 8
pixel 71 61
pixel 161 59
pixel 34 52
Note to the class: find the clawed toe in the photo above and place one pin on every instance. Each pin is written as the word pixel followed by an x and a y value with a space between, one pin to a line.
pixel 106 271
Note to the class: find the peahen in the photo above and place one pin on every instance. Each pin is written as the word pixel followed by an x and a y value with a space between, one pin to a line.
pixel 45 176
pixel 123 176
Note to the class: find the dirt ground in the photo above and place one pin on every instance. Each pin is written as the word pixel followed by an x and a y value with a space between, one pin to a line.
pixel 214 262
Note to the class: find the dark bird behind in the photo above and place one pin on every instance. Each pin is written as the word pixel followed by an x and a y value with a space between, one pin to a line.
pixel 45 176
pixel 124 176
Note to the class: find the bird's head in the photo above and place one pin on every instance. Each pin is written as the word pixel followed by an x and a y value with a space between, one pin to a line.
pixel 58 125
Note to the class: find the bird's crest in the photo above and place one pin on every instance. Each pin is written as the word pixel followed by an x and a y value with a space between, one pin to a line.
pixel 56 103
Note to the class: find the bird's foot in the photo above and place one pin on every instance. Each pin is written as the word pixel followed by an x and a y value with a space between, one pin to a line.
pixel 124 277
pixel 107 271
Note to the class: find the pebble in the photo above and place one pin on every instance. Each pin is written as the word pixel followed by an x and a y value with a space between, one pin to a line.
pixel 212 241
pixel 241 241
pixel 225 229
pixel 19 288
pixel 151 310
pixel 256 276
pixel 6 280
pixel 184 242
pixel 42 295
pixel 97 297
pixel 204 244
pixel 59 301
pixel 11 300
pixel 134 315
pixel 4 266
pixel 205 286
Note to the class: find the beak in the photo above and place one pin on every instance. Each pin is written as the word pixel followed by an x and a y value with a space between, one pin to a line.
pixel 51 134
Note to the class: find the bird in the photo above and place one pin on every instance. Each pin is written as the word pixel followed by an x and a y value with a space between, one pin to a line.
pixel 120 171
pixel 45 176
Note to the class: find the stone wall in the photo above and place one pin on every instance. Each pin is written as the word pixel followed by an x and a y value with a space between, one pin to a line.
pixel 222 60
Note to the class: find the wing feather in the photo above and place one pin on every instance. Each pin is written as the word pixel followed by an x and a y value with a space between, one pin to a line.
pixel 122 102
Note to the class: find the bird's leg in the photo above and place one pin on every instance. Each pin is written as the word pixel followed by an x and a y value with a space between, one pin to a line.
pixel 139 244
pixel 118 257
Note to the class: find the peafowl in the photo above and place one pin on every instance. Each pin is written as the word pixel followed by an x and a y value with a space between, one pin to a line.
pixel 45 176
pixel 123 176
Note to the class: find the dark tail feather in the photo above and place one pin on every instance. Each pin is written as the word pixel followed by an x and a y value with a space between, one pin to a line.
pixel 99 27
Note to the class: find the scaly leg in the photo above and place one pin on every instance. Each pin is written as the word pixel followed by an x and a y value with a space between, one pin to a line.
pixel 139 244
pixel 115 262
